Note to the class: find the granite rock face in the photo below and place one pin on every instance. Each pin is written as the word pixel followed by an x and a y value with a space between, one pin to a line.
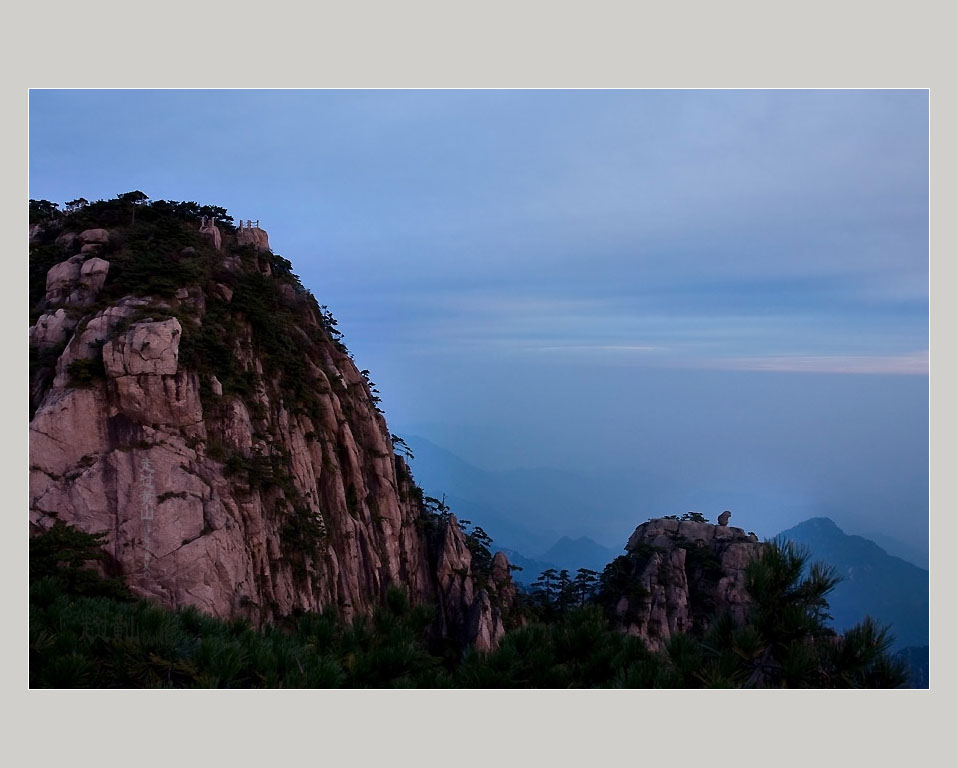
pixel 239 500
pixel 150 348
pixel 470 614
pixel 62 278
pixel 92 276
pixel 76 281
pixel 52 329
pixel 680 573
pixel 254 236
pixel 212 233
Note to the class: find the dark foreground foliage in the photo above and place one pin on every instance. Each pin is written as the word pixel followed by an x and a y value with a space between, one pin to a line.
pixel 87 631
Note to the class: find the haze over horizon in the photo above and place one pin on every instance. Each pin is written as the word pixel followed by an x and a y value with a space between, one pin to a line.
pixel 727 290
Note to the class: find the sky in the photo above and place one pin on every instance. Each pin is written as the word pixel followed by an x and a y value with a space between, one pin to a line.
pixel 727 289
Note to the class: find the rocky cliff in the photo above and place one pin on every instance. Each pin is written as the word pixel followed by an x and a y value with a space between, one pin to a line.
pixel 193 400
pixel 678 574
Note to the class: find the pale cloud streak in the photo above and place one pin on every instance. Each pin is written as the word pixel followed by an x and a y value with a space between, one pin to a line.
pixel 599 348
pixel 913 365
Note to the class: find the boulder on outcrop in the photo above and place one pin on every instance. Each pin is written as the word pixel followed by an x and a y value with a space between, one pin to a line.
pixel 92 278
pixel 94 237
pixel 76 281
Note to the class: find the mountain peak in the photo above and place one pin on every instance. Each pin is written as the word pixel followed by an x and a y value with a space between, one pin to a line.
pixel 819 524
pixel 817 528
pixel 873 582
pixel 582 552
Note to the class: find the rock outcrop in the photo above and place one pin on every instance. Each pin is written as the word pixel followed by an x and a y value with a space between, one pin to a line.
pixel 680 573
pixel 76 281
pixel 471 613
pixel 52 329
pixel 94 236
pixel 227 443
pixel 253 235
pixel 62 278
pixel 210 231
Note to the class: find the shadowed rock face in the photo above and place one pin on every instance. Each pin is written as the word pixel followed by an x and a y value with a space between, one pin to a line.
pixel 681 573
pixel 469 614
pixel 239 504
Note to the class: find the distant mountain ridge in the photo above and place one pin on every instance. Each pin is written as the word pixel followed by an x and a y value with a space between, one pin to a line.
pixel 582 552
pixel 548 503
pixel 530 568
pixel 544 519
pixel 874 583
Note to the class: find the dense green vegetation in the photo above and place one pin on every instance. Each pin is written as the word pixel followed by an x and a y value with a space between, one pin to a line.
pixel 125 208
pixel 87 631
pixel 84 372
pixel 689 517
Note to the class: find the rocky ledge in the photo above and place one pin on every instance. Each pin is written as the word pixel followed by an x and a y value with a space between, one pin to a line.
pixel 678 574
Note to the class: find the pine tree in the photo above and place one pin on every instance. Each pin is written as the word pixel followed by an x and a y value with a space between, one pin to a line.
pixel 584 584
pixel 544 586
pixel 787 642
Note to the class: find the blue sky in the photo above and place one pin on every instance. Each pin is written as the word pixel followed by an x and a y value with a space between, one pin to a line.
pixel 498 258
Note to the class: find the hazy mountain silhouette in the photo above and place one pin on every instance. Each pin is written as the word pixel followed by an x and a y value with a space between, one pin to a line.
pixel 531 568
pixel 875 583
pixel 580 553
pixel 527 510
pixel 547 518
